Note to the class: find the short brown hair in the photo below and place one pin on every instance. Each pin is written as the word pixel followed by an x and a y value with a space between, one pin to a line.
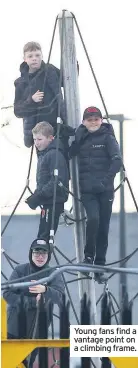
pixel 31 46
pixel 44 128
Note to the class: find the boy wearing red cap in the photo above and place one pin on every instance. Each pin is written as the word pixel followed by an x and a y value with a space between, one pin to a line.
pixel 99 160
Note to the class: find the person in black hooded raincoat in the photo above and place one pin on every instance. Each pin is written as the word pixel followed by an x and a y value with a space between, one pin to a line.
pixel 99 160
pixel 39 258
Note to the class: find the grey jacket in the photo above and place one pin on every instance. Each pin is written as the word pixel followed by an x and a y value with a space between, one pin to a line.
pixel 52 296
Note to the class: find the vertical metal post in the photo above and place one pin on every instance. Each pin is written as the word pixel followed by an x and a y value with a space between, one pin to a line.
pixel 123 276
pixel 71 90
pixel 122 231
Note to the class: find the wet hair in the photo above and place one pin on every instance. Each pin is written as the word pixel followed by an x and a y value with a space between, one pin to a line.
pixel 44 128
pixel 31 46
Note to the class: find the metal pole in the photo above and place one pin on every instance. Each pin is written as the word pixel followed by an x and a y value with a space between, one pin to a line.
pixel 122 230
pixel 71 90
pixel 123 277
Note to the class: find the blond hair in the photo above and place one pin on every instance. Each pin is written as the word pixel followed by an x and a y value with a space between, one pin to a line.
pixel 43 128
pixel 31 46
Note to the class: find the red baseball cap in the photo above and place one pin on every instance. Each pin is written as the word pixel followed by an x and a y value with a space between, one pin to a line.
pixel 92 111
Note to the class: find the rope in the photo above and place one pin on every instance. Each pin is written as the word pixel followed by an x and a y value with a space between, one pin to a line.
pixel 24 190
pixel 3 274
pixel 90 64
pixel 125 260
pixel 67 290
pixel 51 241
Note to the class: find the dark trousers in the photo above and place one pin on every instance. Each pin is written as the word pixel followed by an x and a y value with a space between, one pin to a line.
pixel 98 208
pixel 46 220
pixel 33 354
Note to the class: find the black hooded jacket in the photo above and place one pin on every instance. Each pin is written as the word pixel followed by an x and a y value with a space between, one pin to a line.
pixel 46 79
pixel 53 295
pixel 99 158
pixel 45 174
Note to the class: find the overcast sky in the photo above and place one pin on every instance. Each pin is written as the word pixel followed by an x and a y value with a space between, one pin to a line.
pixel 109 29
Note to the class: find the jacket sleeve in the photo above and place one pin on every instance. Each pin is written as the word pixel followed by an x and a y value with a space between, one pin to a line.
pixel 55 291
pixel 23 107
pixel 79 138
pixel 48 189
pixel 13 297
pixel 115 157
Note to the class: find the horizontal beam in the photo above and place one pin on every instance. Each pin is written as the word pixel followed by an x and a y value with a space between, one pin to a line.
pixel 23 348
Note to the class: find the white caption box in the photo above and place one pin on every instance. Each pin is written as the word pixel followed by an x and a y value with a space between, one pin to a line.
pixel 103 341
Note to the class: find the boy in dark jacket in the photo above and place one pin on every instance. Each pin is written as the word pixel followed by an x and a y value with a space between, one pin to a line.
pixel 37 93
pixel 39 257
pixel 99 160
pixel 43 195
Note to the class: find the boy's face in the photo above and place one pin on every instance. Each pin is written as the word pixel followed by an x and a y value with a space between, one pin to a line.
pixel 33 59
pixel 39 257
pixel 41 141
pixel 93 123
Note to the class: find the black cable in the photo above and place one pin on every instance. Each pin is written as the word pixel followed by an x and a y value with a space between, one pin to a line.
pixel 11 259
pixel 8 260
pixel 111 296
pixel 121 309
pixel 100 297
pixel 90 64
pixel 50 51
pixel 132 194
pixel 3 274
pixel 63 255
pixel 123 259
pixel 55 315
pixel 134 297
pixel 57 137
pixel 78 199
pixel 30 163
pixel 19 200
pixel 67 290
pixel 10 217
pixel 122 263
pixel 112 306
pixel 69 261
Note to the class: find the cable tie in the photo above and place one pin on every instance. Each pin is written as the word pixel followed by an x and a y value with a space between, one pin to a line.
pixel 27 182
pixel 125 174
pixel 60 184
pixel 59 120
pixel 2 250
pixel 51 232
pixel 56 172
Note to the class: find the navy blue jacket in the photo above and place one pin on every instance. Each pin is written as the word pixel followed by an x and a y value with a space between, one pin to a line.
pixel 46 79
pixel 99 158
pixel 45 174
